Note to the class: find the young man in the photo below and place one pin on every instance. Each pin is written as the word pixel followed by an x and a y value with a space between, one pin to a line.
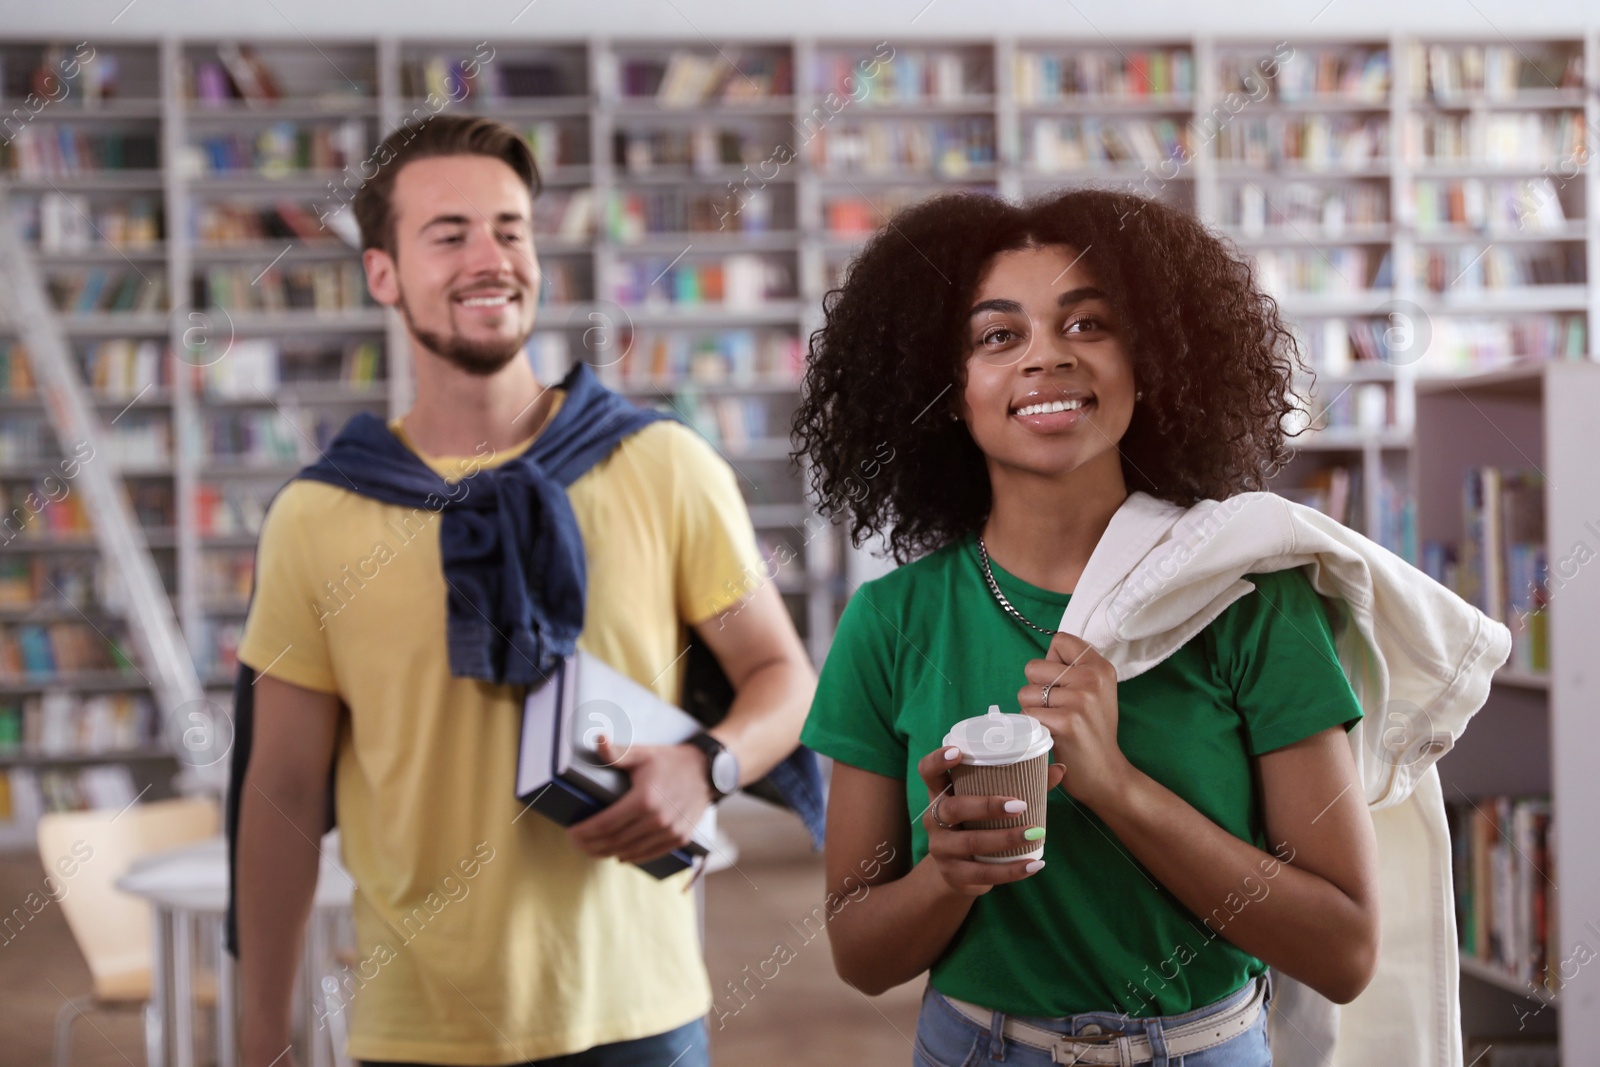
pixel 487 935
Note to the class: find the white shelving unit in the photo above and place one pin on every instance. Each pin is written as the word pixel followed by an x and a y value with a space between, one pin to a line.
pixel 1536 734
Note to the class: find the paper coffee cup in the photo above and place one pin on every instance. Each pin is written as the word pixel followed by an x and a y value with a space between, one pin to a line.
pixel 1007 756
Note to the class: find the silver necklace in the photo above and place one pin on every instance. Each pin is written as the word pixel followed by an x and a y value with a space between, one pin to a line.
pixel 988 574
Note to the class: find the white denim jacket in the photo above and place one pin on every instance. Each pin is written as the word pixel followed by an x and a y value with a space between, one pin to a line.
pixel 1419 659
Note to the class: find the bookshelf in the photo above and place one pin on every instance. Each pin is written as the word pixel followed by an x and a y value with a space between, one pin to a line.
pixel 1418 205
pixel 1525 754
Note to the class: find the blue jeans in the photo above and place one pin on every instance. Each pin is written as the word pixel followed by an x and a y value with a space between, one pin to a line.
pixel 687 1046
pixel 946 1038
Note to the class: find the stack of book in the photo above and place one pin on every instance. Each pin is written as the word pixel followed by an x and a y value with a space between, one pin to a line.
pixel 71 222
pixel 1504 874
pixel 40 650
pixel 1156 73
pixel 57 723
pixel 687 78
pixel 281 149
pixel 26 794
pixel 1501 565
pixel 108 289
pixel 321 287
pixel 61 150
pixel 223 222
pixel 1056 145
pixel 1499 267
pixel 1302 208
pixel 738 281
pixel 1500 72
pixel 946 147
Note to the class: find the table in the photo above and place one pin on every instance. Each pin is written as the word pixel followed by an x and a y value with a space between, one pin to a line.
pixel 190 884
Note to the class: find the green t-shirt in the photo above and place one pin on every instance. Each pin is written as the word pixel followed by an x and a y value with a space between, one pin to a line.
pixel 927 645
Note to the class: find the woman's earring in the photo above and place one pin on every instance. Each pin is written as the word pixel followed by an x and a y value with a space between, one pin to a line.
pixel 1139 395
pixel 955 417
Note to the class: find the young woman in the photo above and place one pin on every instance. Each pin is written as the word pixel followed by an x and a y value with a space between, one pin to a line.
pixel 991 383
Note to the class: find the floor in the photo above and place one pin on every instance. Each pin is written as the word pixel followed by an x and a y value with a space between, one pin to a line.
pixel 804 1016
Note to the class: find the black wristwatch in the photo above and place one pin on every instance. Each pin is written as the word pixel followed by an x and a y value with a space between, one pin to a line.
pixel 723 766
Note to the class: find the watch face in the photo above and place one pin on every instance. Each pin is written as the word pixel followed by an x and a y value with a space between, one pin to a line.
pixel 725 772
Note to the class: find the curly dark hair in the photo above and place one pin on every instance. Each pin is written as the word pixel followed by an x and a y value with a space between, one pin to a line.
pixel 1209 349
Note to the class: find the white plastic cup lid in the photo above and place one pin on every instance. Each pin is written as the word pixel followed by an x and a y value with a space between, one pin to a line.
pixel 998 738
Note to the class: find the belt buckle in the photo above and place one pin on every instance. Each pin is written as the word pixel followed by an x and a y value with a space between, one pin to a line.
pixel 1100 1039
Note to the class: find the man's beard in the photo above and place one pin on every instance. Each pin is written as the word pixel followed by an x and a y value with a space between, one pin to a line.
pixel 482 358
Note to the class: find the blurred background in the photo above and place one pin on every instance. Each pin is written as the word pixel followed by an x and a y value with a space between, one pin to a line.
pixel 1414 184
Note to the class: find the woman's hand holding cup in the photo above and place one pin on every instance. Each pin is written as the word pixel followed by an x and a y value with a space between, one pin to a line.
pixel 956 850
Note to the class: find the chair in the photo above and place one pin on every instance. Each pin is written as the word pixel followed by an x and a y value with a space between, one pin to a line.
pixel 112 929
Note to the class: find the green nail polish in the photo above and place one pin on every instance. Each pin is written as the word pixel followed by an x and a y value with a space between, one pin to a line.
pixel 1034 833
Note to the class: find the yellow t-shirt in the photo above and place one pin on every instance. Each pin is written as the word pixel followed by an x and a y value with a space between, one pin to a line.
pixel 484 936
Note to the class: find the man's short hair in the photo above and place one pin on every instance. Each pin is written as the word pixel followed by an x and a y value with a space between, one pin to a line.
pixel 434 135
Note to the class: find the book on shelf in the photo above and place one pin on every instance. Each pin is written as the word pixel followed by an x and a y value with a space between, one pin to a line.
pixel 1335 345
pixel 230 508
pixel 251 438
pixel 62 513
pixel 223 222
pixel 564 281
pixel 1302 208
pixel 1465 343
pixel 1501 565
pixel 687 78
pixel 219 648
pixel 16 372
pixel 739 281
pixel 1316 142
pixel 123 368
pixel 227 574
pixel 1333 490
pixel 684 359
pixel 85 74
pixel 59 222
pixel 41 650
pixel 1310 74
pixel 29 793
pixel 25 439
pixel 258 367
pixel 1055 145
pixel 491 75
pixel 48 581
pixel 704 148
pixel 140 440
pixel 61 150
pixel 1349 269
pixel 568 214
pixel 58 722
pixel 251 79
pixel 107 289
pixel 858 213
pixel 1496 266
pixel 1498 72
pixel 1501 204
pixel 280 150
pixel 1503 869
pixel 1153 74
pixel 948 147
pixel 321 287
pixel 634 214
pixel 1531 139
pixel 910 75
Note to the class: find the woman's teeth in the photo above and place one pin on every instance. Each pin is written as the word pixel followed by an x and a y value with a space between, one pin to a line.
pixel 1050 408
